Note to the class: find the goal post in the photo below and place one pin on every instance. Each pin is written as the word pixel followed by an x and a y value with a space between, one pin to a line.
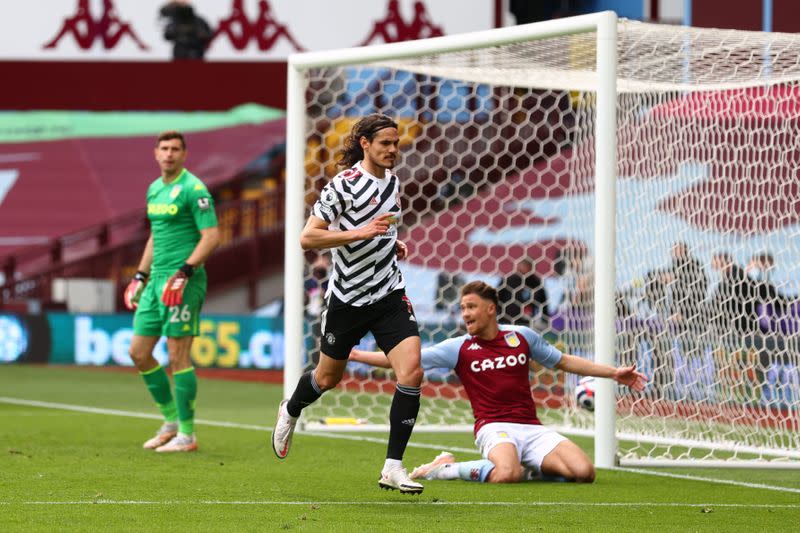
pixel 593 147
pixel 605 442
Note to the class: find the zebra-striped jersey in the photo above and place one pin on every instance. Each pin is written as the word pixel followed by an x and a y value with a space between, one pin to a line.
pixel 363 271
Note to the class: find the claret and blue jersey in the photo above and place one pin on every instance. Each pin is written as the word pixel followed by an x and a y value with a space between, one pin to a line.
pixel 495 373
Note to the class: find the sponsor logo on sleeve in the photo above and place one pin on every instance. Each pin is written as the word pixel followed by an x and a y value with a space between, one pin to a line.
pixel 203 204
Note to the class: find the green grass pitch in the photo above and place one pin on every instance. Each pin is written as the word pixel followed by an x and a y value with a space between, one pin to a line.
pixel 64 469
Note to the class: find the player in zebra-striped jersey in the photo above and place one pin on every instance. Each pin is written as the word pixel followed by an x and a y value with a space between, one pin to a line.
pixel 357 215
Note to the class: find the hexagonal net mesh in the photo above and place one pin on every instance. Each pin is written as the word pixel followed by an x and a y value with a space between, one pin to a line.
pixel 497 170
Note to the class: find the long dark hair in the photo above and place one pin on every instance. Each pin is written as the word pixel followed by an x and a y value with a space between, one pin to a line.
pixel 368 127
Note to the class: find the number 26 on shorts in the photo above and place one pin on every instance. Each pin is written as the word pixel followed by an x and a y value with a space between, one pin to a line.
pixel 179 313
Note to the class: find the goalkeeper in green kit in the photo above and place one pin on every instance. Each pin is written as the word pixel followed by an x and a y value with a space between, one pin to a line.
pixel 169 289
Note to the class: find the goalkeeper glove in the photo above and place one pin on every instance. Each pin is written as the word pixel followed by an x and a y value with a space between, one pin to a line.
pixel 173 290
pixel 134 290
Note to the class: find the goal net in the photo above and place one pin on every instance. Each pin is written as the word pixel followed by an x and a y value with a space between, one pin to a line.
pixel 681 258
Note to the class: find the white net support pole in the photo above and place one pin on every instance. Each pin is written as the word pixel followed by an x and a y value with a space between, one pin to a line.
pixel 295 214
pixel 605 446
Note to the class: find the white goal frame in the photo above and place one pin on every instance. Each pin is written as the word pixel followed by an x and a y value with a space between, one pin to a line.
pixel 605 26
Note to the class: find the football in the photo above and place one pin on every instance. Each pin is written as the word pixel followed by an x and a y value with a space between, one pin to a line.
pixel 584 393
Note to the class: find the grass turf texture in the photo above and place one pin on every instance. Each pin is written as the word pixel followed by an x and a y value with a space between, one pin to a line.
pixel 96 463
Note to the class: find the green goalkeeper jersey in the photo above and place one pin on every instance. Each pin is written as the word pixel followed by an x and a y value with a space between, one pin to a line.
pixel 177 212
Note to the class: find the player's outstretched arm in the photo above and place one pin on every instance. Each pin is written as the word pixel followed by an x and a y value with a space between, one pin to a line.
pixel 316 235
pixel 626 375
pixel 378 359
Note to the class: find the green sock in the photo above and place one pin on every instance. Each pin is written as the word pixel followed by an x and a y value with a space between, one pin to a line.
pixel 185 394
pixel 158 385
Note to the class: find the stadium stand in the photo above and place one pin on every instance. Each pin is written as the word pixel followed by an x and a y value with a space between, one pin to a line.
pixel 79 209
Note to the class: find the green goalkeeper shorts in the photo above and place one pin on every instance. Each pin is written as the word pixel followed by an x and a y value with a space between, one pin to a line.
pixel 154 319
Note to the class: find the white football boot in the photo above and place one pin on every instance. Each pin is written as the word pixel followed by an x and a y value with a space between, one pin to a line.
pixel 282 434
pixel 179 443
pixel 429 470
pixel 397 479
pixel 164 434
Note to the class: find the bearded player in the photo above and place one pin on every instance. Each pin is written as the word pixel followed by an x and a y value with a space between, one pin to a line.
pixel 169 289
pixel 492 363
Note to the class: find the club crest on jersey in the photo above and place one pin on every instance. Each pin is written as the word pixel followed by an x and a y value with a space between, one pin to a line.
pixel 511 339
pixel 327 198
pixel 176 190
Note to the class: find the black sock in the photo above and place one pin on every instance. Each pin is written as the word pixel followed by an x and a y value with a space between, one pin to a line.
pixel 306 393
pixel 402 417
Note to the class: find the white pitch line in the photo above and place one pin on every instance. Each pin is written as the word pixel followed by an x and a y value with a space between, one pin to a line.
pixel 213 423
pixel 714 480
pixel 119 412
pixel 709 505
pixel 361 438
pixel 236 425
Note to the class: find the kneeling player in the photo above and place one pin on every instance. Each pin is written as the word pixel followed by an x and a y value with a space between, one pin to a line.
pixel 492 363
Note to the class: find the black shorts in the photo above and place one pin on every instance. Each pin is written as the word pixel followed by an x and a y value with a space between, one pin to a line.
pixel 390 319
